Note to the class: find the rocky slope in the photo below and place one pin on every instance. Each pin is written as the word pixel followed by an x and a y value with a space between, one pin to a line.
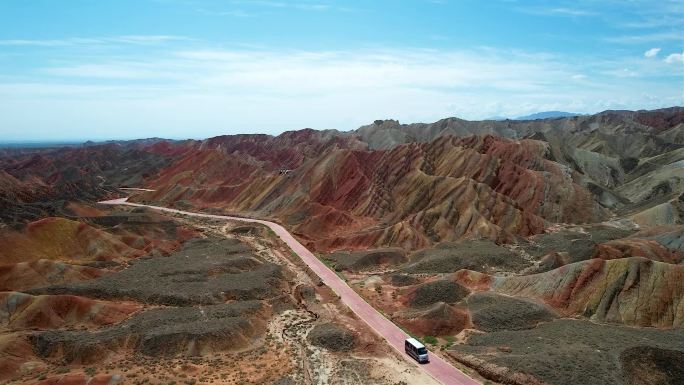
pixel 410 196
pixel 487 235
pixel 388 183
pixel 57 238
pixel 35 183
pixel 24 311
pixel 632 291
pixel 629 159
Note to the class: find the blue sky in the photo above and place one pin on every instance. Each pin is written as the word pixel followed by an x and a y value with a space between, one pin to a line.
pixel 96 69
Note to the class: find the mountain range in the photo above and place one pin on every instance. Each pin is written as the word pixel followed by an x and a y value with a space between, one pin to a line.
pixel 497 233
pixel 547 115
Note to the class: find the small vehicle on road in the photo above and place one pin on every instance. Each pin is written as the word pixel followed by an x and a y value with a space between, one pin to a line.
pixel 417 350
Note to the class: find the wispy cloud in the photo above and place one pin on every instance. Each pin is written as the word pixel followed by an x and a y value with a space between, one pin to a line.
pixel 647 37
pixel 270 90
pixel 235 80
pixel 410 84
pixel 148 39
pixel 47 43
pixel 569 12
pixel 301 5
pixel 557 11
pixel 240 13
pixel 330 71
pixel 77 41
pixel 256 8
pixel 236 13
pixel 653 52
pixel 622 73
pixel 675 58
pixel 113 70
pixel 661 21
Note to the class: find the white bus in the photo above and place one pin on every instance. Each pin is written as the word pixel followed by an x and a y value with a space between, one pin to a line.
pixel 415 349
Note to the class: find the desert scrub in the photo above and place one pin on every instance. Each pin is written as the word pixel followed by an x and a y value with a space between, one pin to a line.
pixel 430 340
pixel 449 342
pixel 438 291
pixel 332 337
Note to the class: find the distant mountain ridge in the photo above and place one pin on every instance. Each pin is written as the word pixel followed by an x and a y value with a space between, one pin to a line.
pixel 548 115
pixel 516 230
pixel 538 116
pixel 386 183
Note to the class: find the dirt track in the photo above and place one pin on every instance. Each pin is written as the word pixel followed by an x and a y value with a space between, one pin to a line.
pixel 437 368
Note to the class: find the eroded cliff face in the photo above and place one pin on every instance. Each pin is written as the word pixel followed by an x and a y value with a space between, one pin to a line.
pixel 515 203
pixel 631 291
pixel 411 196
pixel 387 183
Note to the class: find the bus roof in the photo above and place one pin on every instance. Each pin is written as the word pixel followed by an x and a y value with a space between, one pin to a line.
pixel 415 342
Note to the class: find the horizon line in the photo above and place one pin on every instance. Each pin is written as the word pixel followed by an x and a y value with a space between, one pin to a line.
pixel 81 141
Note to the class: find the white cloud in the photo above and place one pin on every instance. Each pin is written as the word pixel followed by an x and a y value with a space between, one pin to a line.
pixel 235 13
pixel 569 12
pixel 215 91
pixel 77 41
pixel 675 58
pixel 651 52
pixel 331 71
pixel 557 11
pixel 660 21
pixel 114 70
pixel 147 39
pixel 647 37
pixel 47 43
pixel 301 5
pixel 257 8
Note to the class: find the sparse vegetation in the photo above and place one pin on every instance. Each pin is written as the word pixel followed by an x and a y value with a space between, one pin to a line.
pixel 438 291
pixel 449 342
pixel 332 337
pixel 378 213
pixel 430 340
pixel 568 352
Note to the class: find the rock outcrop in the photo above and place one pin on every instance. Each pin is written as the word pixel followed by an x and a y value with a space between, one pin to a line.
pixel 410 196
pixel 631 291
pixel 23 311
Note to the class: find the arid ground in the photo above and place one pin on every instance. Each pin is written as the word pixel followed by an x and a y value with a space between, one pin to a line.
pixel 523 252
pixel 227 303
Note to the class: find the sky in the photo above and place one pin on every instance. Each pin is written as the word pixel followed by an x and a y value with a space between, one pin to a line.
pixel 123 69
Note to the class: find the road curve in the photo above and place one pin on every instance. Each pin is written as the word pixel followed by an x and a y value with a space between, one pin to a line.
pixel 437 368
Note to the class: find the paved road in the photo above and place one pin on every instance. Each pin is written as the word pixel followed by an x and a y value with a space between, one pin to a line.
pixel 437 368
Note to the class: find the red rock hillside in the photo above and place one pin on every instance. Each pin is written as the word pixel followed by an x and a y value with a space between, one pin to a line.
pixel 410 196
pixel 632 291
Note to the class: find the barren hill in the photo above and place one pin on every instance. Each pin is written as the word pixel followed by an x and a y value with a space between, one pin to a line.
pixel 482 238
